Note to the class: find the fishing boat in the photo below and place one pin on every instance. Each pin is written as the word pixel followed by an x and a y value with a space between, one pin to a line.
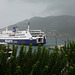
pixel 28 36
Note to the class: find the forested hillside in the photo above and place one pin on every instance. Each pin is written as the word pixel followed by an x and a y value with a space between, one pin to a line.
pixel 60 24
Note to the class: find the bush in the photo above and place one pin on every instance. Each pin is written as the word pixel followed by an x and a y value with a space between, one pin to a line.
pixel 38 61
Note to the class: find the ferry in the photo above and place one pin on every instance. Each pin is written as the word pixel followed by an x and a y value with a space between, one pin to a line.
pixel 28 36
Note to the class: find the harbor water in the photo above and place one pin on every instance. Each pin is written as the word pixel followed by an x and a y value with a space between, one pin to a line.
pixel 49 42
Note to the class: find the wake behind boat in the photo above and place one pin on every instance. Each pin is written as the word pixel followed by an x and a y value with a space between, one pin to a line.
pixel 33 37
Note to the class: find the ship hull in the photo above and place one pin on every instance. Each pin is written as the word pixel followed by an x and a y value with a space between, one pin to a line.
pixel 20 41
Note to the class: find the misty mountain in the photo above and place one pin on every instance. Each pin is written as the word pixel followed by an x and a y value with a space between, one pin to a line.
pixel 63 24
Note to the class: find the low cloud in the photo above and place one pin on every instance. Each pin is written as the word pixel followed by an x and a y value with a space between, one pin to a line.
pixel 13 11
pixel 64 7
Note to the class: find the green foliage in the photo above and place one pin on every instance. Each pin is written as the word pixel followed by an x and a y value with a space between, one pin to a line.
pixel 38 61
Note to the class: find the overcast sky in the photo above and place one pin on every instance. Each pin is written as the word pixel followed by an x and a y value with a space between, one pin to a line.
pixel 13 11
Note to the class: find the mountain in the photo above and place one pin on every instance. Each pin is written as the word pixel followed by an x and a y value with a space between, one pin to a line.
pixel 60 24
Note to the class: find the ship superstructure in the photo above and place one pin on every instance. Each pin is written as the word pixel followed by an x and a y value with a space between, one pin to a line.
pixel 33 37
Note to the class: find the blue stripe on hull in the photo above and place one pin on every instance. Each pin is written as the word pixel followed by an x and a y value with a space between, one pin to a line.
pixel 27 42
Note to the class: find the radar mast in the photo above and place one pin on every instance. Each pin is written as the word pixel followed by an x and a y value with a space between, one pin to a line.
pixel 28 26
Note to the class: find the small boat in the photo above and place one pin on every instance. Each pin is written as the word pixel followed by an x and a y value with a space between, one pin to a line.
pixel 59 47
pixel 3 43
pixel 5 50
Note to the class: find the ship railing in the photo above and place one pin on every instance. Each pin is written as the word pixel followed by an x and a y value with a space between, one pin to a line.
pixel 35 30
pixel 38 32
pixel 37 35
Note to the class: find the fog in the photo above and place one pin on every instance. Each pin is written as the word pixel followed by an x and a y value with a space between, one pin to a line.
pixel 13 11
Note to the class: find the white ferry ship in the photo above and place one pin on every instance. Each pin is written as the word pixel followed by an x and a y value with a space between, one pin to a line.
pixel 33 37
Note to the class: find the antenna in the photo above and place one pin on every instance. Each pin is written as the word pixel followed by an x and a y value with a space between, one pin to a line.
pixel 28 25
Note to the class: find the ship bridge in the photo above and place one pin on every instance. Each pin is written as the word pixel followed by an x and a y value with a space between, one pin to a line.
pixel 36 33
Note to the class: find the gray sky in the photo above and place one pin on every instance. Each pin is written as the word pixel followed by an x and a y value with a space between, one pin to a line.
pixel 13 11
